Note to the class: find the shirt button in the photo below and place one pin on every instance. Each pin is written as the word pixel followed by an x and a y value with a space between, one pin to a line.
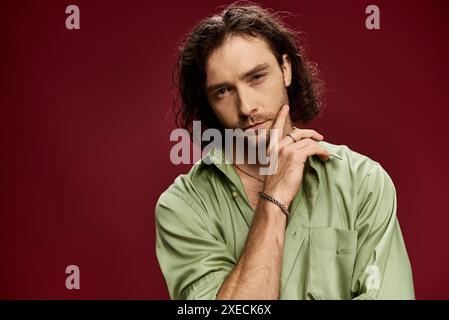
pixel 235 194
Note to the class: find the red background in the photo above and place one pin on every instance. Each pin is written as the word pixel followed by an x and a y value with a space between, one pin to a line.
pixel 85 140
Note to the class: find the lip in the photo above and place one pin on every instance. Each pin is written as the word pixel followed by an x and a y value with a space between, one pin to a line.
pixel 254 126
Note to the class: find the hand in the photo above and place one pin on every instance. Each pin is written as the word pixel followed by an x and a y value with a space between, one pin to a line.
pixel 284 184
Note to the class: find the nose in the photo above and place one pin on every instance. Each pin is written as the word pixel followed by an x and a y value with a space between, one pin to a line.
pixel 246 104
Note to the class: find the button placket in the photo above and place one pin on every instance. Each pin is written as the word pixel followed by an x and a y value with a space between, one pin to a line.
pixel 242 205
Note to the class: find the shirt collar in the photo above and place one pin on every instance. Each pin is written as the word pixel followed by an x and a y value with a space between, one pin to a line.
pixel 315 161
pixel 216 157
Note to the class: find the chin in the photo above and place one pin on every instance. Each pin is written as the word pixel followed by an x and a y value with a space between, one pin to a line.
pixel 255 140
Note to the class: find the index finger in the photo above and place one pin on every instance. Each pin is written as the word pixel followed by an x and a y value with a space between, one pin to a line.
pixel 279 123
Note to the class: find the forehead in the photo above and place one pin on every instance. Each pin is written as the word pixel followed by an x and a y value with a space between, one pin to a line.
pixel 237 55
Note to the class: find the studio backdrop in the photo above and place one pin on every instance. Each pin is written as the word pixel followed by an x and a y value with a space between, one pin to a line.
pixel 86 119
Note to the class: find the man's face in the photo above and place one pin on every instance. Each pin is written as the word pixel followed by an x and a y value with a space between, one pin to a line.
pixel 245 84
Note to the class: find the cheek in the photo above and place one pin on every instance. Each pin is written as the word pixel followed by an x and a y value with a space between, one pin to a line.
pixel 273 92
pixel 225 114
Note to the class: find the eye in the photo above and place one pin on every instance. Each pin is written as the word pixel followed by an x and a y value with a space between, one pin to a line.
pixel 258 77
pixel 221 92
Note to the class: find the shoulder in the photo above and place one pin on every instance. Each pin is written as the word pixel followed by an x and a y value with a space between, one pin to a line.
pixel 354 168
pixel 184 198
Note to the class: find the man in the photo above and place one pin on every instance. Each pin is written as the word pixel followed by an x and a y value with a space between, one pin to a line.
pixel 322 226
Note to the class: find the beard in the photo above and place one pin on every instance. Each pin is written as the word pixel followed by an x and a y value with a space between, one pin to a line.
pixel 261 138
pixel 255 141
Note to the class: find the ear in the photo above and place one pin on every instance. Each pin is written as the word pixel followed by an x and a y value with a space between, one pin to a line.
pixel 286 70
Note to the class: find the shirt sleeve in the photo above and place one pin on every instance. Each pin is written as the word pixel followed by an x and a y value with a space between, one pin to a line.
pixel 193 261
pixel 382 268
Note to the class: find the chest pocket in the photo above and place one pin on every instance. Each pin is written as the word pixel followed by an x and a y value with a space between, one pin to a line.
pixel 332 257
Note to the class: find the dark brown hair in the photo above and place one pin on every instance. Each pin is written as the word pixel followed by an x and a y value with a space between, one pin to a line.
pixel 245 19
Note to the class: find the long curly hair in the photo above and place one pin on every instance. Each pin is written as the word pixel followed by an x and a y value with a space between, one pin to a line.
pixel 189 75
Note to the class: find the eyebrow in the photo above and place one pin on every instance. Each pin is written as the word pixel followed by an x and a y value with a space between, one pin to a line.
pixel 258 68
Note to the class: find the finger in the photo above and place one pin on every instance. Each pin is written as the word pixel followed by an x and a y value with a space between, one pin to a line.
pixel 306 148
pixel 278 125
pixel 299 134
pixel 314 149
pixel 299 144
pixel 285 141
pixel 306 133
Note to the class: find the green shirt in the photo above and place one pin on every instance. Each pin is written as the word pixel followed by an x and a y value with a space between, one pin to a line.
pixel 342 239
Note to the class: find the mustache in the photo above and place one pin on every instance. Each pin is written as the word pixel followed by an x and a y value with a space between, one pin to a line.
pixel 258 118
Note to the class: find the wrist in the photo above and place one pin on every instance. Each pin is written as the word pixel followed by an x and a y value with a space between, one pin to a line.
pixel 271 214
pixel 279 196
pixel 277 201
